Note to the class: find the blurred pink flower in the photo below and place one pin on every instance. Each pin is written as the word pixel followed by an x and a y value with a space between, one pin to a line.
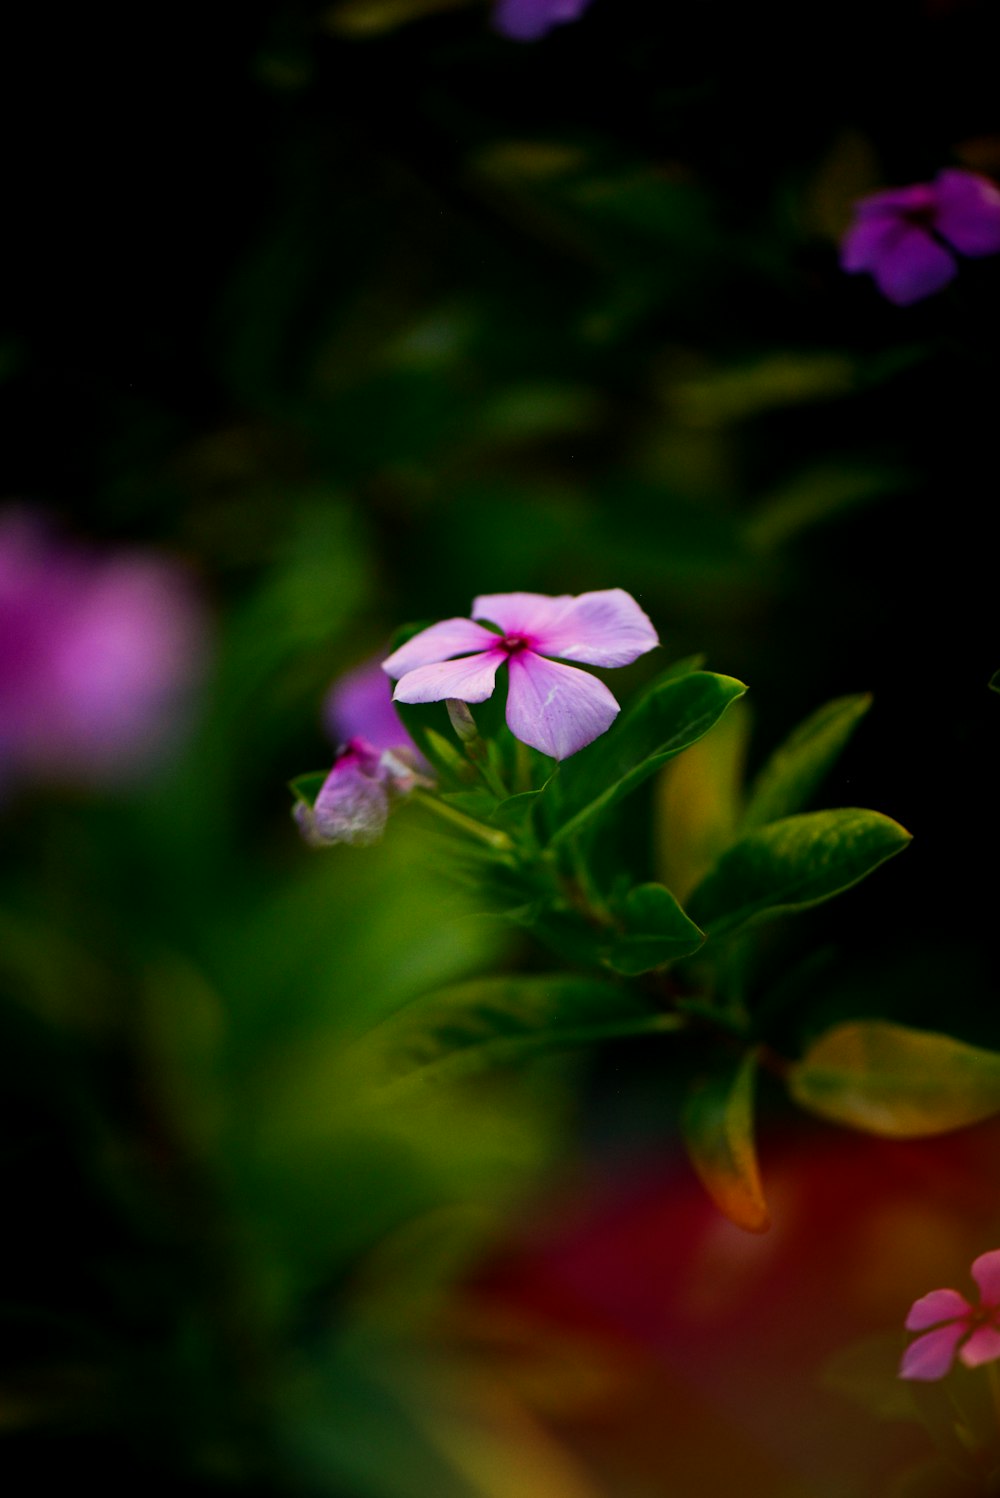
pixel 973 1331
pixel 528 20
pixel 359 705
pixel 905 238
pixel 98 651
pixel 554 708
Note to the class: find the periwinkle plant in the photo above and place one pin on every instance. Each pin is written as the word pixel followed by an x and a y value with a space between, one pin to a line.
pixel 526 789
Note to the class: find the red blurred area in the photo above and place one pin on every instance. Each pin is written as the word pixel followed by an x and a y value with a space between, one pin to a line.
pixel 678 1354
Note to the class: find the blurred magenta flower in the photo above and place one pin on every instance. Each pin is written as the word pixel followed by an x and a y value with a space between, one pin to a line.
pixel 354 800
pixel 955 1321
pixel 554 708
pixel 527 20
pixel 98 652
pixel 359 705
pixel 905 238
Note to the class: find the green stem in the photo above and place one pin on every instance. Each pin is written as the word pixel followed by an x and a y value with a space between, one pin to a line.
pixel 489 835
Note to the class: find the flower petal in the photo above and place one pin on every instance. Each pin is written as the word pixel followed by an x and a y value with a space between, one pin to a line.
pixel 939 1305
pixel 914 266
pixel 986 1273
pixel 520 613
pixel 360 703
pixel 607 628
pixel 471 679
pixel 438 643
pixel 968 212
pixel 352 805
pixel 527 20
pixel 871 236
pixel 982 1347
pixel 555 708
pixel 931 1356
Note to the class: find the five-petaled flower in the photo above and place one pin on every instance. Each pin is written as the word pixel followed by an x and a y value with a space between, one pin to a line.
pixel 950 1324
pixel 906 237
pixel 527 20
pixel 553 707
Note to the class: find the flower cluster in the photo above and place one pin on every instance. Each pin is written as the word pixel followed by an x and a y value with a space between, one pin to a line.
pixel 906 238
pixel 97 652
pixel 952 1325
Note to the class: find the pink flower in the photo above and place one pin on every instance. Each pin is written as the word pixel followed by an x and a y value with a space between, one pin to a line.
pixel 98 652
pixel 955 1321
pixel 353 802
pixel 554 708
pixel 906 237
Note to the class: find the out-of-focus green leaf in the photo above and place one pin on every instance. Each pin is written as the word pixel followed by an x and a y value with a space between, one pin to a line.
pixel 717 1123
pixel 814 496
pixel 491 1022
pixel 793 863
pixel 903 1084
pixel 656 931
pixel 671 715
pixel 793 772
pixel 364 18
pixel 779 379
pixel 995 682
pixel 307 787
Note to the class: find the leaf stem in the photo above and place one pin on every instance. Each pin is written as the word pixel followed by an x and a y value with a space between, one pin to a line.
pixel 492 836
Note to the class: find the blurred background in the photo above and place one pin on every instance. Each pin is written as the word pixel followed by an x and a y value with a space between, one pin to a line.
pixel 319 318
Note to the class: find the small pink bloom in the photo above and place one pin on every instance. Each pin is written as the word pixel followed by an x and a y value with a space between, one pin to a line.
pixel 950 1324
pixel 906 238
pixel 554 708
pixel 354 800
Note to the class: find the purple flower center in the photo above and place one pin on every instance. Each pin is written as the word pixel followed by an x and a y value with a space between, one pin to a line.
pixel 512 644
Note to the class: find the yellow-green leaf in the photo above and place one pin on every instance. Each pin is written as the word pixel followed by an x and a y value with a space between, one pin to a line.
pixel 717 1123
pixel 903 1084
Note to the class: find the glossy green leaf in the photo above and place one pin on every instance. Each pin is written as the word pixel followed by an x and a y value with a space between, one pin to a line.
pixel 492 1022
pixel 655 931
pixel 674 713
pixel 903 1084
pixel 717 1124
pixel 796 768
pixel 793 863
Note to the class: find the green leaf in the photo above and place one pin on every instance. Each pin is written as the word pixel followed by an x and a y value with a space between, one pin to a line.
pixel 670 716
pixel 793 863
pixel 307 787
pixel 490 1022
pixel 795 770
pixel 480 804
pixel 995 682
pixel 655 931
pixel 903 1084
pixel 717 1124
pixel 516 810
